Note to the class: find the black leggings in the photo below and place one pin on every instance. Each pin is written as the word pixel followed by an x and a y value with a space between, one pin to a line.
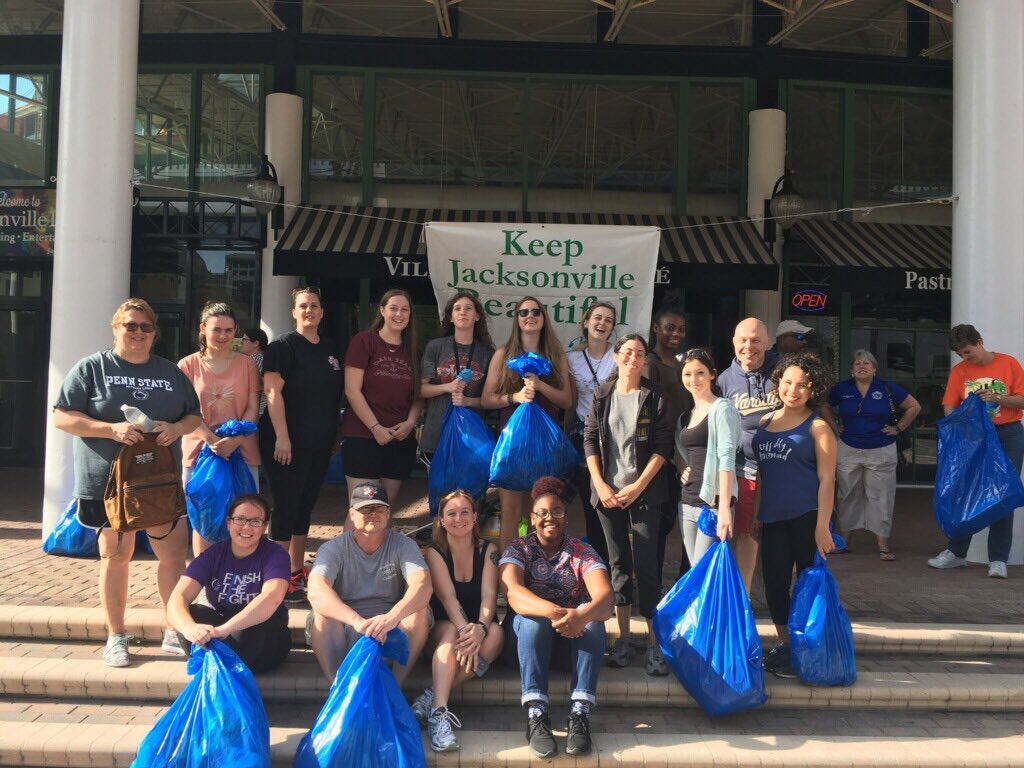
pixel 645 522
pixel 783 545
pixel 262 647
pixel 295 486
pixel 595 533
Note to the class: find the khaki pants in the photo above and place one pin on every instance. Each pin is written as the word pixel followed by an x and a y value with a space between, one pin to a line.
pixel 867 488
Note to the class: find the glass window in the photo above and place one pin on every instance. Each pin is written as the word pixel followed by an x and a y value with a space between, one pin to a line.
pixel 369 18
pixel 202 17
pixel 31 17
pixel 336 139
pixel 566 21
pixel 715 148
pixel 230 275
pixel 815 145
pixel 903 147
pixel 20 283
pixel 229 131
pixel 159 272
pixel 162 119
pixel 874 27
pixel 682 22
pixel 23 112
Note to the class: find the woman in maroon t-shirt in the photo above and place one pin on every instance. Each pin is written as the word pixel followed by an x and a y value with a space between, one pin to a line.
pixel 382 385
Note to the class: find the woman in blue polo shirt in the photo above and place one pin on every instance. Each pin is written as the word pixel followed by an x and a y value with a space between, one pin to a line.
pixel 873 412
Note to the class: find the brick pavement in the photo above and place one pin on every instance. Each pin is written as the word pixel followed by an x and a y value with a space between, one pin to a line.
pixel 902 591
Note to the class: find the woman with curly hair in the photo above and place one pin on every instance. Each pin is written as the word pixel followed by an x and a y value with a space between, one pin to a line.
pixel 796 460
pixel 507 390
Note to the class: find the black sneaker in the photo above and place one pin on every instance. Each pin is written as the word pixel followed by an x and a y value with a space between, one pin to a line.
pixel 296 588
pixel 538 734
pixel 577 741
pixel 779 663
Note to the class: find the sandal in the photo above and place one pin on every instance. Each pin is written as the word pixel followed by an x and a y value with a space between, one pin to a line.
pixel 886 556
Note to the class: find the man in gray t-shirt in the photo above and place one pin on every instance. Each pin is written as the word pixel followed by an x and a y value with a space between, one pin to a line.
pixel 368 581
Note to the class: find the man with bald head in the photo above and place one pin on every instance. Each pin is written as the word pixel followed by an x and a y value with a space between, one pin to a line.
pixel 748 384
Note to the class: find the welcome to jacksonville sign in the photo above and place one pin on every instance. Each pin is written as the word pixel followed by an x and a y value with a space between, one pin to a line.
pixel 567 267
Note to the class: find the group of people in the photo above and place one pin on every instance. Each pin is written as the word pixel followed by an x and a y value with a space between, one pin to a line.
pixel 662 433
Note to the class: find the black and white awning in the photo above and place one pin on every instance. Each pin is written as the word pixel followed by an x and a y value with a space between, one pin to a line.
pixel 903 246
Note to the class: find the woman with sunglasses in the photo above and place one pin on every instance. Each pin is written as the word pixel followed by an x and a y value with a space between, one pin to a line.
pixel 89 408
pixel 464 344
pixel 706 437
pixel 796 479
pixel 245 578
pixel 228 385
pixel 466 637
pixel 507 390
pixel 627 440
pixel 591 365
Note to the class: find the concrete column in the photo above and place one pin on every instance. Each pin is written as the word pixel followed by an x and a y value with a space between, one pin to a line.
pixel 93 230
pixel 284 148
pixel 988 177
pixel 766 162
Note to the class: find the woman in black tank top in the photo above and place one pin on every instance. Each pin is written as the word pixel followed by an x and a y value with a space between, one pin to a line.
pixel 466 638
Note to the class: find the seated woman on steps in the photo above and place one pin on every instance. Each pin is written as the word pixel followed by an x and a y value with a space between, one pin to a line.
pixel 245 578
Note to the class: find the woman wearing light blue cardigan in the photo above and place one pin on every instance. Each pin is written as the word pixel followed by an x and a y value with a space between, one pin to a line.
pixel 706 438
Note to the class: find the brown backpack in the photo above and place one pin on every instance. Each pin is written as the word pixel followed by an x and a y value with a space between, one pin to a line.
pixel 144 487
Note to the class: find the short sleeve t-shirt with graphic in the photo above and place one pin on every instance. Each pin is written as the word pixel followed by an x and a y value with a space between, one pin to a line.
pixel 369 584
pixel 442 361
pixel 558 578
pixel 222 397
pixel 99 385
pixel 387 382
pixel 864 417
pixel 231 583
pixel 1003 375
pixel 313 382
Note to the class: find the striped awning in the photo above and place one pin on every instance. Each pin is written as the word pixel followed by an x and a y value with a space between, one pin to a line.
pixel 323 233
pixel 903 246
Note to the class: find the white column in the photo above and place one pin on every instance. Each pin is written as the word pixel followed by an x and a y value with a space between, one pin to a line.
pixel 284 148
pixel 988 177
pixel 766 162
pixel 93 229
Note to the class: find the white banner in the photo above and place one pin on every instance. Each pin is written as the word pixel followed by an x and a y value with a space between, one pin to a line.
pixel 566 267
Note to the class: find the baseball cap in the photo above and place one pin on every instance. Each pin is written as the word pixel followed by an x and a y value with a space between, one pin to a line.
pixel 791 326
pixel 365 494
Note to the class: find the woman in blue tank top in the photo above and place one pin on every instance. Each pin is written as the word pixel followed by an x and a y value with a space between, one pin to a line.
pixel 796 465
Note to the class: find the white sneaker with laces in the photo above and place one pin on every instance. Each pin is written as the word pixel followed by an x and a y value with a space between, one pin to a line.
pixel 422 705
pixel 115 654
pixel 439 726
pixel 171 643
pixel 946 559
pixel 997 569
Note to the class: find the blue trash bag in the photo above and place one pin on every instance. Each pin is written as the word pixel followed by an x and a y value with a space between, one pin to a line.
pixel 69 538
pixel 707 522
pixel 216 481
pixel 217 720
pixel 975 484
pixel 820 633
pixel 529 362
pixel 530 446
pixel 706 631
pixel 463 456
pixel 365 722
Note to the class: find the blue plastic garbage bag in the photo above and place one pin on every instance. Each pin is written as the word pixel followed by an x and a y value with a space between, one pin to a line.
pixel 218 720
pixel 216 481
pixel 706 631
pixel 365 722
pixel 529 362
pixel 530 446
pixel 69 538
pixel 463 456
pixel 820 634
pixel 975 484
pixel 707 522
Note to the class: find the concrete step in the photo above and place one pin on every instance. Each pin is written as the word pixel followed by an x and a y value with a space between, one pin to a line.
pixel 69 623
pixel 83 745
pixel 158 679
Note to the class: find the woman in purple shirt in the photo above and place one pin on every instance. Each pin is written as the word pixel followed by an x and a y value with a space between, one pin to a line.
pixel 245 578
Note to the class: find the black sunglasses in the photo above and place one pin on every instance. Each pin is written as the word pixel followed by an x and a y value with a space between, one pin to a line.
pixel 527 312
pixel 798 336
pixel 133 327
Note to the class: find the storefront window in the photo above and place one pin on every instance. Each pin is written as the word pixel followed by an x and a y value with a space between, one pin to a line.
pixel 159 272
pixel 162 119
pixel 716 152
pixel 229 275
pixel 815 145
pixel 229 131
pixel 336 139
pixel 23 129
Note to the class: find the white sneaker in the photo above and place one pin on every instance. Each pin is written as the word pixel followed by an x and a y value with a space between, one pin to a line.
pixel 422 705
pixel 115 654
pixel 171 643
pixel 946 559
pixel 997 569
pixel 439 726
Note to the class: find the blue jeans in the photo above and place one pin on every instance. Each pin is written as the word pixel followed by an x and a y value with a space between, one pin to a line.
pixel 534 644
pixel 1000 534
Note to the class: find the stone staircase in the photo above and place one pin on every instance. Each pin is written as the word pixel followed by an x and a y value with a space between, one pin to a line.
pixel 926 695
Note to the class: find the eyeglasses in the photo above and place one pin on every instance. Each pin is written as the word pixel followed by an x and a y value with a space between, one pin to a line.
pixel 535 311
pixel 555 513
pixel 250 522
pixel 133 327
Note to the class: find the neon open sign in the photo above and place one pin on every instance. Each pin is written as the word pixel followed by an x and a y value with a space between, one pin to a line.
pixel 809 300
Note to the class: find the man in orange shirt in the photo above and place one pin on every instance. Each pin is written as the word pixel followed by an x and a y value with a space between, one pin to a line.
pixel 997 379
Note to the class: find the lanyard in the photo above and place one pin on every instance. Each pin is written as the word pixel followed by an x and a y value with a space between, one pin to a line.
pixel 593 373
pixel 469 359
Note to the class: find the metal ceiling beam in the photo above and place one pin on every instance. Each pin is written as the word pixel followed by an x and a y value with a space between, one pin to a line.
pixel 799 20
pixel 935 49
pixel 269 15
pixel 924 6
pixel 444 21
pixel 621 10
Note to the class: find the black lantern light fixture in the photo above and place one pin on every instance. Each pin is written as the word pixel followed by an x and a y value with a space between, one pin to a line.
pixel 265 193
pixel 784 207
